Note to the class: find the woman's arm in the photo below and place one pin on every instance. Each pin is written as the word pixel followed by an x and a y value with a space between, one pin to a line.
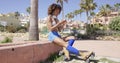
pixel 62 26
pixel 49 24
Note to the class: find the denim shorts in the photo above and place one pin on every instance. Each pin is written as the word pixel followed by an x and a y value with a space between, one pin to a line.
pixel 52 35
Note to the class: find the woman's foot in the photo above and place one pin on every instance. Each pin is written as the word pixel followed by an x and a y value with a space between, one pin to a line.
pixel 66 59
pixel 61 52
pixel 85 55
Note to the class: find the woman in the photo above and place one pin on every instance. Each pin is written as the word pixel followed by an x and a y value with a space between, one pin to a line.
pixel 54 26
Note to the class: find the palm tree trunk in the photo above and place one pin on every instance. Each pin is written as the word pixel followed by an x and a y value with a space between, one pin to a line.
pixel 87 16
pixel 33 30
pixel 62 10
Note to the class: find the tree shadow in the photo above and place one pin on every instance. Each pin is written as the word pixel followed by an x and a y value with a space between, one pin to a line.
pixel 53 57
pixel 73 56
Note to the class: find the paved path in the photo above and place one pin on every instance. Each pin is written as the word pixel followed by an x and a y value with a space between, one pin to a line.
pixel 101 48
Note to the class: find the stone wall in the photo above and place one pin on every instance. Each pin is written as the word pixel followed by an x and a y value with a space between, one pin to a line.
pixel 31 52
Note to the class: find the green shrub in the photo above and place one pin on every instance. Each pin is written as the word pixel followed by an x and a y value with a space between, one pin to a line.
pixel 21 29
pixel 2 28
pixel 81 36
pixel 91 29
pixel 44 30
pixel 115 24
pixel 53 58
pixel 6 40
pixel 11 29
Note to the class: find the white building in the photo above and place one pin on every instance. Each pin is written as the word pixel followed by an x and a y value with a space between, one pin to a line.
pixel 3 23
pixel 42 23
pixel 24 19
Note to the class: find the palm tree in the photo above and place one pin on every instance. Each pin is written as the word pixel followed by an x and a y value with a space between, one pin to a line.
pixel 92 7
pixel 61 3
pixel 93 16
pixel 117 6
pixel 28 9
pixel 105 10
pixel 33 30
pixel 78 12
pixel 84 5
pixel 87 6
pixel 69 15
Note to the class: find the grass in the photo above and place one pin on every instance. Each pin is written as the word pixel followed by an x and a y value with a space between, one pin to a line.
pixel 53 58
pixel 105 60
pixel 6 40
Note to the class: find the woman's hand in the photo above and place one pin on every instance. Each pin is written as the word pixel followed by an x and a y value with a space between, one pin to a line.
pixel 63 22
pixel 62 25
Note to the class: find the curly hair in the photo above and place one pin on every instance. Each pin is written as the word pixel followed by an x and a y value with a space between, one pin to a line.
pixel 52 8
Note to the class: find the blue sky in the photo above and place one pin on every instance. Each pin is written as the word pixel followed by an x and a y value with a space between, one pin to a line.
pixel 7 6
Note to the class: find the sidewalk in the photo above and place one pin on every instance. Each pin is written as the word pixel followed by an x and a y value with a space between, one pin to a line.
pixel 101 48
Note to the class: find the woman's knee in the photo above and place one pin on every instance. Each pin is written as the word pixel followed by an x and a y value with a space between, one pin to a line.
pixel 60 42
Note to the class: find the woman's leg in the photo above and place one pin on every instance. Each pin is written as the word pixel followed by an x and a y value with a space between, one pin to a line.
pixel 66 53
pixel 65 46
pixel 62 43
pixel 70 40
pixel 71 49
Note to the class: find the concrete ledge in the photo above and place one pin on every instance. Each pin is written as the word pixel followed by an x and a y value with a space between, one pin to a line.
pixel 32 52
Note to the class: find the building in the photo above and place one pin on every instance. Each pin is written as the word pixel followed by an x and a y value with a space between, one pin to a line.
pixel 1 14
pixel 24 19
pixel 9 19
pixel 105 20
pixel 42 23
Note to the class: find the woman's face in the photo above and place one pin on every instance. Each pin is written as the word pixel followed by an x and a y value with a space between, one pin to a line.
pixel 56 12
